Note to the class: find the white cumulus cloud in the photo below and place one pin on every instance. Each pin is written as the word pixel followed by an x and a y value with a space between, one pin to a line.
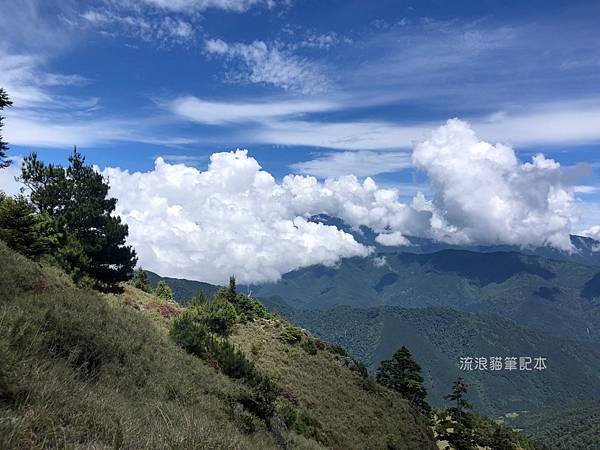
pixel 485 195
pixel 392 239
pixel 233 218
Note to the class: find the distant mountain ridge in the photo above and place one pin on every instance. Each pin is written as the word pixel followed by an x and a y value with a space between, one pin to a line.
pixel 183 290
pixel 587 250
pixel 551 296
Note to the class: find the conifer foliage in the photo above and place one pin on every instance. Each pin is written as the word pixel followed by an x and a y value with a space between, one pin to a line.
pixel 140 280
pixel 21 229
pixel 403 374
pixel 164 291
pixel 458 424
pixel 92 239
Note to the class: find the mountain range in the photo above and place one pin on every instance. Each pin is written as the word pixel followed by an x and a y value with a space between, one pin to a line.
pixel 445 302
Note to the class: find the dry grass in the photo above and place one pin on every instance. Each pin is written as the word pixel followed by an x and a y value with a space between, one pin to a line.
pixel 348 412
pixel 82 370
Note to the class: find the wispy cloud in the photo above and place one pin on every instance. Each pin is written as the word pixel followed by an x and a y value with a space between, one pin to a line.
pixel 65 129
pixel 359 163
pixel 214 113
pixel 24 77
pixel 190 6
pixel 356 135
pixel 165 30
pixel 574 122
pixel 270 64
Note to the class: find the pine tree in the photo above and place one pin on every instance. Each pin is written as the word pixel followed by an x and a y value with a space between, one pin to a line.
pixel 403 374
pixel 76 198
pixel 164 291
pixel 4 102
pixel 232 290
pixel 140 280
pixel 459 389
pixel 199 299
pixel 23 230
pixel 458 428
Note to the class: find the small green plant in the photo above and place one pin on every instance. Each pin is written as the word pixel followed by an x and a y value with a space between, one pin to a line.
pixel 163 291
pixel 290 334
pixel 310 427
pixel 217 315
pixel 309 346
pixel 287 413
pixel 249 309
pixel 199 299
pixel 189 334
pixel 338 350
pixel 140 280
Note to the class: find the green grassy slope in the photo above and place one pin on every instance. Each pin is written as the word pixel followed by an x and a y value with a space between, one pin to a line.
pixel 84 370
pixel 555 297
pixel 438 337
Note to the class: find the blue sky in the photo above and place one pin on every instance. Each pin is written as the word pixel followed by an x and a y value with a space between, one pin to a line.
pixel 321 88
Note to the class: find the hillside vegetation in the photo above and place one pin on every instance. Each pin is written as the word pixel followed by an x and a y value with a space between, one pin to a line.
pixel 183 290
pixel 87 370
pixel 438 337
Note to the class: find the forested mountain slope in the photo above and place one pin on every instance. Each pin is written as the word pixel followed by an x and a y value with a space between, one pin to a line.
pixel 438 337
pixel 556 297
pixel 572 427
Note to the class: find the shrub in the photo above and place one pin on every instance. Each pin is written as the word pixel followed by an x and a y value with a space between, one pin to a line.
pixel 140 280
pixel 369 384
pixel 249 309
pixel 193 336
pixel 338 350
pixel 361 368
pixel 189 334
pixel 310 427
pixel 198 299
pixel 232 362
pixel 163 291
pixel 23 230
pixel 261 400
pixel 217 315
pixel 287 413
pixel 309 346
pixel 290 334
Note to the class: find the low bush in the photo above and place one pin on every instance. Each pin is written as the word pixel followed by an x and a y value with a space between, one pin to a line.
pixel 309 346
pixel 189 334
pixel 261 398
pixel 217 315
pixel 194 337
pixel 338 350
pixel 290 334
pixel 249 309
pixel 287 413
